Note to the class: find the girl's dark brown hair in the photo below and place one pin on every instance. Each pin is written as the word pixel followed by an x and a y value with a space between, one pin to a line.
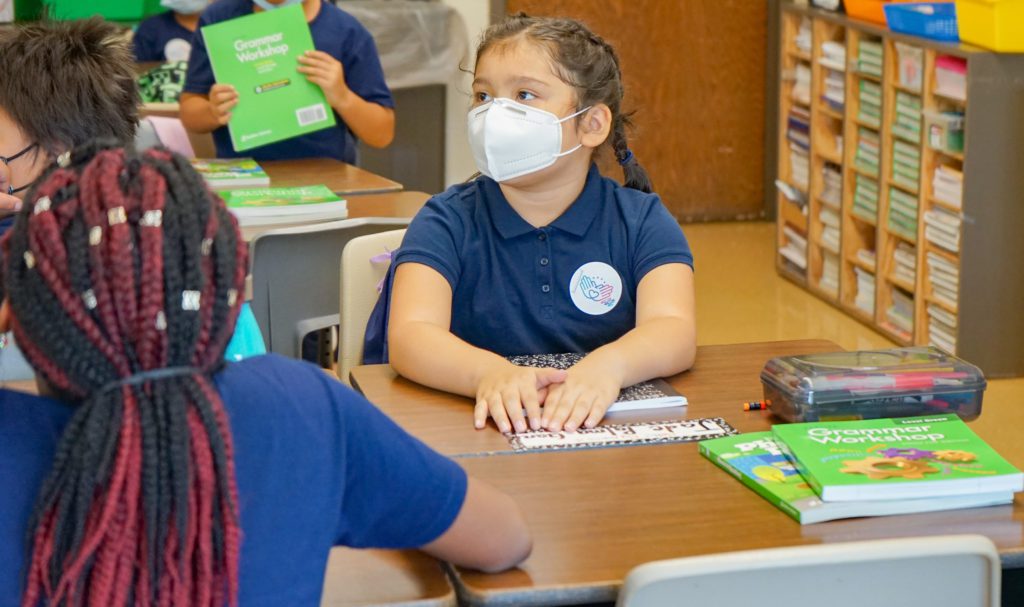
pixel 585 61
pixel 69 82
pixel 123 274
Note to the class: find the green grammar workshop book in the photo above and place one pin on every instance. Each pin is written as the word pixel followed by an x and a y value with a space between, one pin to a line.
pixel 254 206
pixel 901 458
pixel 257 54
pixel 757 461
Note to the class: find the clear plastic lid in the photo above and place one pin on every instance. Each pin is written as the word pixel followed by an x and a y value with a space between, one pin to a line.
pixel 843 376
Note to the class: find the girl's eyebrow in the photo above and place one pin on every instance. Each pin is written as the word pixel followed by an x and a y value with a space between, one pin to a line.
pixel 520 80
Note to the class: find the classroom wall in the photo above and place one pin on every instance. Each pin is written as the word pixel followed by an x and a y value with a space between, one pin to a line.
pixel 458 158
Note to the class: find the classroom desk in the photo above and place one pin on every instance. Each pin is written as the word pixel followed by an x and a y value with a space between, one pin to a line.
pixel 342 178
pixel 400 205
pixel 595 514
pixel 385 577
pixel 717 385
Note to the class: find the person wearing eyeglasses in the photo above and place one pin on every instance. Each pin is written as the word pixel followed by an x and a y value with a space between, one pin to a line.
pixel 64 83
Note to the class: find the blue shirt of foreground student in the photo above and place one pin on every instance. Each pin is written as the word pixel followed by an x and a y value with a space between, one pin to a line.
pixel 334 32
pixel 162 38
pixel 316 466
pixel 567 287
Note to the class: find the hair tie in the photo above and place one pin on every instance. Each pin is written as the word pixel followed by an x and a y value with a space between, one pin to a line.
pixel 151 375
pixel 627 158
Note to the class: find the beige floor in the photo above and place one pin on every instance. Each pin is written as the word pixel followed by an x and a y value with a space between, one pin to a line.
pixel 741 298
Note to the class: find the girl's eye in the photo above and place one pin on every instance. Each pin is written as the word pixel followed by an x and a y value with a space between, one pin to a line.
pixel 481 97
pixel 525 96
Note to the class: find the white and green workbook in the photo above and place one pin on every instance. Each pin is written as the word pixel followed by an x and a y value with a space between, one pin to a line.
pixel 258 55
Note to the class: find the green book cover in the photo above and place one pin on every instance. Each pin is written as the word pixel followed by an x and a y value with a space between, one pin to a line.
pixel 757 461
pixel 257 54
pixel 226 173
pixel 882 459
pixel 299 203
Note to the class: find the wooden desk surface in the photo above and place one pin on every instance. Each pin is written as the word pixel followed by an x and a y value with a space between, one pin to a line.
pixel 596 514
pixel 399 205
pixel 717 385
pixel 385 577
pixel 342 178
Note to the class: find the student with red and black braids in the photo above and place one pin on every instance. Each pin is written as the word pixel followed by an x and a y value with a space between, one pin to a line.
pixel 154 473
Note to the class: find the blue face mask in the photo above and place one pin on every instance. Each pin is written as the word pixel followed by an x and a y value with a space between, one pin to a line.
pixel 267 6
pixel 185 7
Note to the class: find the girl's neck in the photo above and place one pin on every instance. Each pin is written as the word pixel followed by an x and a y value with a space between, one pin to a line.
pixel 189 22
pixel 541 203
pixel 310 7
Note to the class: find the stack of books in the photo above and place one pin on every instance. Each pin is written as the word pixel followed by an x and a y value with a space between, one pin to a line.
pixel 951 77
pixel 869 57
pixel 830 228
pixel 868 151
pixel 799 166
pixel 942 229
pixel 835 90
pixel 802 84
pixel 941 328
pixel 906 165
pixel 231 173
pixel 865 198
pixel 867 256
pixel 830 273
pixel 821 471
pixel 902 214
pixel 904 263
pixel 870 99
pixel 900 313
pixel 261 206
pixel 795 249
pixel 832 185
pixel 944 279
pixel 803 36
pixel 908 117
pixel 798 133
pixel 833 56
pixel 865 299
pixel 948 185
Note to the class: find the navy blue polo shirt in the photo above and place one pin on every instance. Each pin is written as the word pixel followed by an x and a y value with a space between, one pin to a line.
pixel 567 287
pixel 334 32
pixel 315 463
pixel 159 35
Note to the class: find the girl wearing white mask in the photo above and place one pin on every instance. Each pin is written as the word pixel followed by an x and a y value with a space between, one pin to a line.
pixel 167 37
pixel 541 254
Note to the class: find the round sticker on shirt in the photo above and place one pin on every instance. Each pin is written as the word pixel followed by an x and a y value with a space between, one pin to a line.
pixel 177 49
pixel 595 288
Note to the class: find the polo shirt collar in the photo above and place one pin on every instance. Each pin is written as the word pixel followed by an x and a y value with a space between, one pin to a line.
pixel 575 220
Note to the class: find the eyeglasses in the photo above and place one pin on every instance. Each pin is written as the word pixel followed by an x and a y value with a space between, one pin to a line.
pixel 11 190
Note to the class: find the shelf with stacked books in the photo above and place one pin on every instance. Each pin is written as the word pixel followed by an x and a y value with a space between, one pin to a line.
pixel 828 136
pixel 945 105
pixel 793 170
pixel 930 183
pixel 861 179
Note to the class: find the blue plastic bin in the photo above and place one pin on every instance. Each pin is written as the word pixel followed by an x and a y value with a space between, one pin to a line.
pixel 935 20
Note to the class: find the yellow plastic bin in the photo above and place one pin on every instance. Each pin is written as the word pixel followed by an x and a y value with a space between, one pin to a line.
pixel 993 24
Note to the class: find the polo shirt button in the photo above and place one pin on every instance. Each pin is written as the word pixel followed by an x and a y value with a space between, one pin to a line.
pixel 543 261
pixel 542 236
pixel 545 288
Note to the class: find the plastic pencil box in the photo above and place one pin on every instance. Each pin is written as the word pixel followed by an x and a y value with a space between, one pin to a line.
pixel 870 384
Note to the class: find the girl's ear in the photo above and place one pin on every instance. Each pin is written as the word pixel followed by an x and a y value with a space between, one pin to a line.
pixel 5 316
pixel 595 126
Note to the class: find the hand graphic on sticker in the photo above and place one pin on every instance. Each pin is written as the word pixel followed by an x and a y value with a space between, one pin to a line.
pixel 595 290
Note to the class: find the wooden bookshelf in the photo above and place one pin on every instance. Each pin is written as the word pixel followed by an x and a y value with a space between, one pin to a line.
pixel 965 288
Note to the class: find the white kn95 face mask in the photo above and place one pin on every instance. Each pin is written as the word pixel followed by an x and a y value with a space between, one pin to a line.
pixel 510 139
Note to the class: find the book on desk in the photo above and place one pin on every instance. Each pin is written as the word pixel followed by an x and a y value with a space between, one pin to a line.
pixel 260 206
pixel 757 461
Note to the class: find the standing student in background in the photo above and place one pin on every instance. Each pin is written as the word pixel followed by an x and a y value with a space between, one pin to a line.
pixel 64 83
pixel 345 65
pixel 167 37
pixel 156 474
pixel 542 254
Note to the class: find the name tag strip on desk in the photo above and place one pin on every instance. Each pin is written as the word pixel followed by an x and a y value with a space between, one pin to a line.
pixel 612 435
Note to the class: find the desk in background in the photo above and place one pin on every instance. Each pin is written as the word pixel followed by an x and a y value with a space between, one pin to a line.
pixel 342 178
pixel 595 514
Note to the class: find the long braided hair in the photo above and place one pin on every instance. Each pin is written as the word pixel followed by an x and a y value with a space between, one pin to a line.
pixel 585 61
pixel 123 273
